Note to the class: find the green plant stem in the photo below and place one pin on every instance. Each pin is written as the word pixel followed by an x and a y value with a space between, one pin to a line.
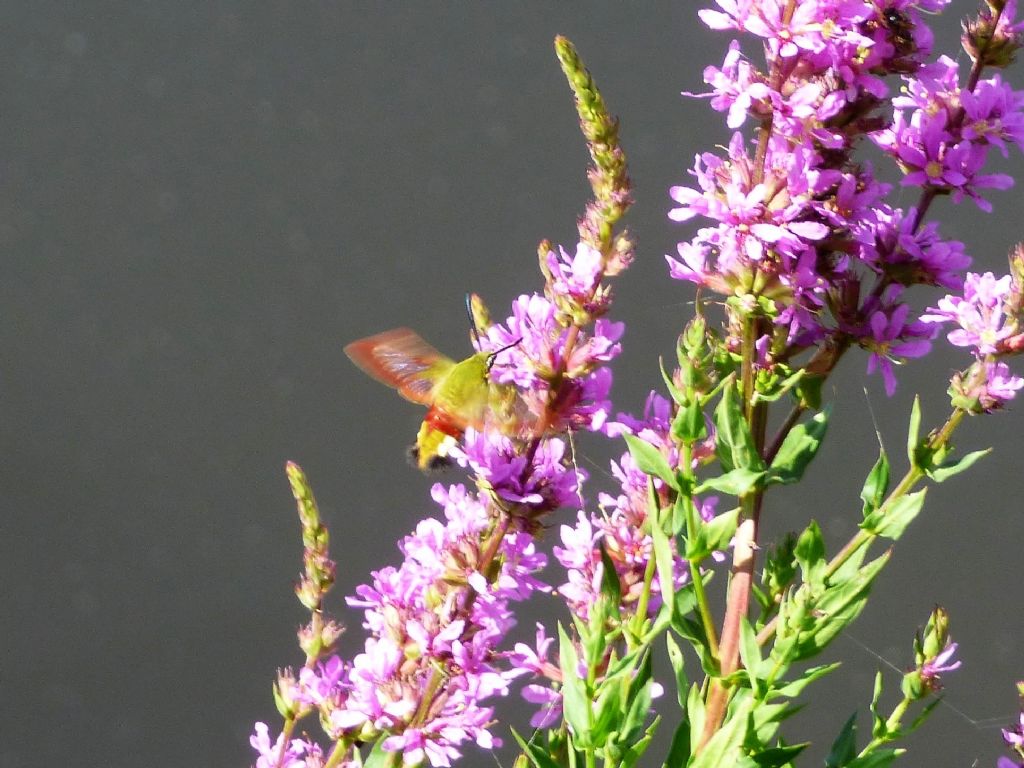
pixel 863 538
pixel 341 749
pixel 744 548
pixel 703 606
pixel 892 725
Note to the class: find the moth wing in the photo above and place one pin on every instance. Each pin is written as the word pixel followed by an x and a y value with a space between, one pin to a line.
pixel 400 358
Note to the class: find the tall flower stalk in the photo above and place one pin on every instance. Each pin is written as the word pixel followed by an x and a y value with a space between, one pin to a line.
pixel 801 257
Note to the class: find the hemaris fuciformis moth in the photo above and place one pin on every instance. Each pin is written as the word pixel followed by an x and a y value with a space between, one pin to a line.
pixel 457 394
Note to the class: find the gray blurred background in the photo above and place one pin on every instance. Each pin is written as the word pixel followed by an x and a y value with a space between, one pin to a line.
pixel 200 203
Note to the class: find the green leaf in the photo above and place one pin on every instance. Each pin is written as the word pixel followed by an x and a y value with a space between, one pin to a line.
pixel 688 426
pixel 665 563
pixel 948 469
pixel 891 520
pixel 676 659
pixel 913 432
pixel 381 758
pixel 611 589
pixel 575 702
pixel 536 754
pixel 694 632
pixel 724 747
pixel 925 714
pixel 877 483
pixel 779 757
pixel 833 609
pixel 736 482
pixel 734 443
pixel 844 748
pixel 677 395
pixel 809 391
pixel 607 712
pixel 695 713
pixel 879 729
pixel 632 753
pixel 650 460
pixel 793 689
pixel 679 751
pixel 799 448
pixel 638 702
pixel 713 536
pixel 810 555
pixel 750 651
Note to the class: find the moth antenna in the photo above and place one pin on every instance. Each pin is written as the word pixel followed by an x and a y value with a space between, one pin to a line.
pixel 491 357
pixel 472 323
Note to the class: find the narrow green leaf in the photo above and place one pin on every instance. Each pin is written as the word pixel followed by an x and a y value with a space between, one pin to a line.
pixel 799 448
pixel 664 562
pixel 891 520
pixel 677 395
pixel 878 726
pixel 638 702
pixel 844 748
pixel 688 426
pixel 913 432
pixel 675 658
pixel 723 748
pixel 536 754
pixel 575 702
pixel 608 710
pixel 650 460
pixel 679 751
pixel 734 442
pixel 810 555
pixel 633 752
pixel 611 589
pixel 796 687
pixel 381 758
pixel 779 757
pixel 876 485
pixel 713 536
pixel 736 482
pixel 750 650
pixel 925 714
pixel 952 467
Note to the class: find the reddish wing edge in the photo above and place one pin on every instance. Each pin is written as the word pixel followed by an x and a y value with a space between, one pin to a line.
pixel 400 358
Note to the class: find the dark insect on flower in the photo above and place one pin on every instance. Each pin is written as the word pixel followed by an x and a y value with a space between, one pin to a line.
pixel 457 394
pixel 899 31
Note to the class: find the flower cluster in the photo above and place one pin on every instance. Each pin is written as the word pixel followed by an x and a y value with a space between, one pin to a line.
pixel 986 316
pixel 434 625
pixel 799 229
pixel 1014 737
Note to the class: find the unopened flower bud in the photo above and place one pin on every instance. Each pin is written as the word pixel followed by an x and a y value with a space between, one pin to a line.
pixel 933 656
pixel 287 694
pixel 991 39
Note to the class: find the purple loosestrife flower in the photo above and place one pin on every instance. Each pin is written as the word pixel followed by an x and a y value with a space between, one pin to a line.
pixel 299 753
pixel 800 223
pixel 621 529
pixel 499 466
pixel 944 143
pixel 934 668
pixel 888 334
pixel 429 638
pixel 527 660
pixel 541 357
pixel 981 314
